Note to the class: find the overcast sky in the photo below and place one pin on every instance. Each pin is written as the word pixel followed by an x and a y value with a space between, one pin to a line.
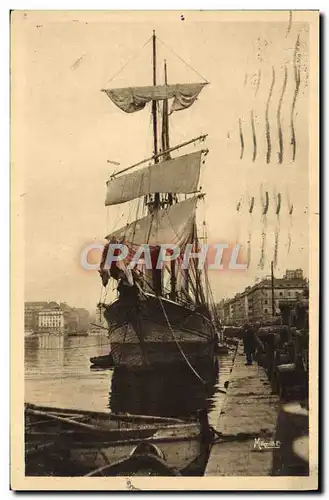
pixel 66 130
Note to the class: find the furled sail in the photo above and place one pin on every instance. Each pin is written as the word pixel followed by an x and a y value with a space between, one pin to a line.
pixel 133 99
pixel 178 175
pixel 172 225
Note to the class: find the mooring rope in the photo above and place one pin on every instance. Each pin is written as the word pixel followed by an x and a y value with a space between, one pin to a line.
pixel 178 345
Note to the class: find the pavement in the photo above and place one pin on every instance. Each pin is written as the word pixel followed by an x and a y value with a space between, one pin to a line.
pixel 257 436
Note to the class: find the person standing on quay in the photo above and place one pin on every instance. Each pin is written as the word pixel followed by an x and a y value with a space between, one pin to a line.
pixel 249 343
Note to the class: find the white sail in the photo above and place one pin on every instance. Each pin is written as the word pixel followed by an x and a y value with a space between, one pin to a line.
pixel 169 226
pixel 179 175
pixel 133 99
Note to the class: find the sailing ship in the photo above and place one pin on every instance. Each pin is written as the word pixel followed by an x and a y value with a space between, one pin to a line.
pixel 161 316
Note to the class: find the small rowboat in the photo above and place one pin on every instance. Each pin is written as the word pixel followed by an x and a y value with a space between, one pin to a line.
pixel 146 459
pixel 63 442
pixel 105 361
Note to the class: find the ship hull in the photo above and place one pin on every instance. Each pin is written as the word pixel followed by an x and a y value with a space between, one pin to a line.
pixel 153 333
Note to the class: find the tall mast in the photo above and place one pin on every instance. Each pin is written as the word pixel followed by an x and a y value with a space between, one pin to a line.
pixel 156 273
pixel 154 115
pixel 154 103
pixel 165 147
pixel 197 270
pixel 165 121
pixel 272 289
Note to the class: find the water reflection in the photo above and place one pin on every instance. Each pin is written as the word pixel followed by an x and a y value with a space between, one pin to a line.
pixel 37 347
pixel 57 373
pixel 168 392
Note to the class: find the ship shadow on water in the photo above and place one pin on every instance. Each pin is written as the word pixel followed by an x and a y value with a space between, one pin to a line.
pixel 168 392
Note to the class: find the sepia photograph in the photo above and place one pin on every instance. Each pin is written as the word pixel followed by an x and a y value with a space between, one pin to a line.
pixel 165 227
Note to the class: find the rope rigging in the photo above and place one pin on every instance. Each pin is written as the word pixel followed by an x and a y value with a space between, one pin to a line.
pixel 182 60
pixel 129 60
pixel 177 343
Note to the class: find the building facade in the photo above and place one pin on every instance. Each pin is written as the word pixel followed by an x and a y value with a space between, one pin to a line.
pixel 40 316
pixel 51 321
pixel 31 310
pixel 255 303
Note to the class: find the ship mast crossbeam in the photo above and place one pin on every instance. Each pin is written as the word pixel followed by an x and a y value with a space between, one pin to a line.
pixel 163 153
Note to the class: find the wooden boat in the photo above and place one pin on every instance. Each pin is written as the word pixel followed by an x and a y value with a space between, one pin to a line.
pixel 77 334
pixel 145 460
pixel 105 361
pixel 65 442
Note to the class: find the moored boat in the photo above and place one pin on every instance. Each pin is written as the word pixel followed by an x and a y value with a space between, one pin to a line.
pixel 105 361
pixel 145 460
pixel 65 442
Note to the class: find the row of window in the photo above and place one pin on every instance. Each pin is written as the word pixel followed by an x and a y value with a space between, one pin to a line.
pixel 288 294
pixel 51 314
pixel 236 307
pixel 50 319
pixel 47 322
pixel 49 325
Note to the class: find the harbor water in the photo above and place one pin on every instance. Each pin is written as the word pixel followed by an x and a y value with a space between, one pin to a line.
pixel 58 373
